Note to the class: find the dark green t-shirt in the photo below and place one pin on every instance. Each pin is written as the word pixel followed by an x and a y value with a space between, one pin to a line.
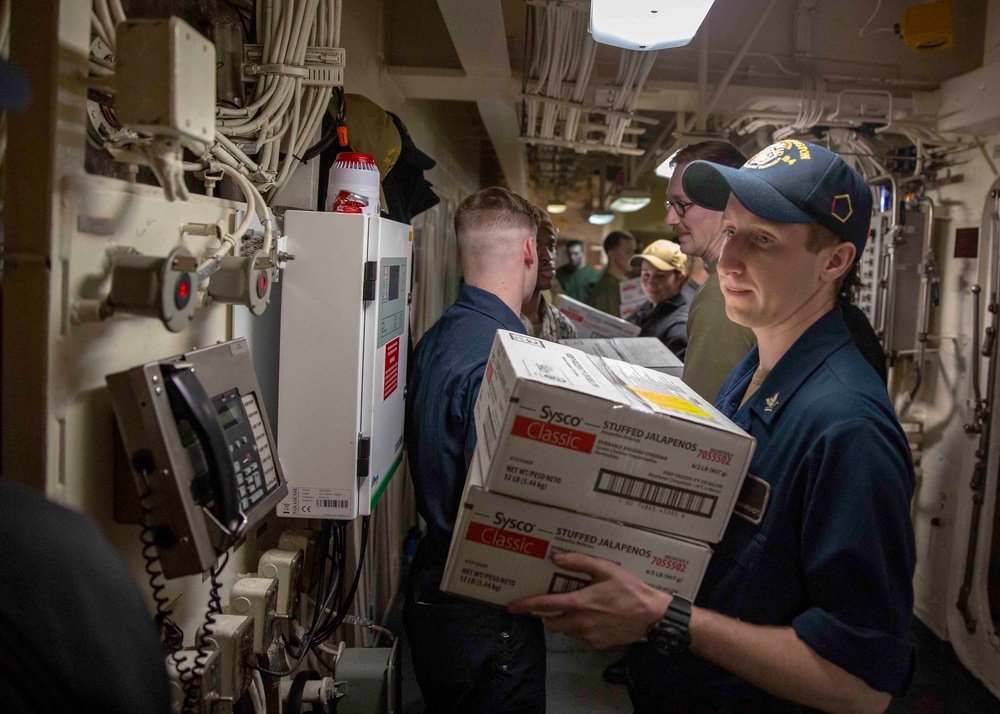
pixel 576 282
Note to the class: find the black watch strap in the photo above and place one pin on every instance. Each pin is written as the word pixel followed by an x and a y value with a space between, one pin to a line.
pixel 671 635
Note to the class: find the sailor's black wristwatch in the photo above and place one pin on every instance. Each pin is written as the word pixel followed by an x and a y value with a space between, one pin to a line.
pixel 670 635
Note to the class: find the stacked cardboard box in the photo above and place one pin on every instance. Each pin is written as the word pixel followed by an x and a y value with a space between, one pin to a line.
pixel 630 296
pixel 577 452
pixel 591 322
pixel 646 352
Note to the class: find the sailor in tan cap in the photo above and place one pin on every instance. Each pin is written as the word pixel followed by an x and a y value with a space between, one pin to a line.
pixel 664 314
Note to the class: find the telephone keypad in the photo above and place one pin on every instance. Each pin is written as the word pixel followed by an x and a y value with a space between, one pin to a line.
pixel 242 441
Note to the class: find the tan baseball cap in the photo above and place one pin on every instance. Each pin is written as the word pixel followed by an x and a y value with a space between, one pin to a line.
pixel 663 255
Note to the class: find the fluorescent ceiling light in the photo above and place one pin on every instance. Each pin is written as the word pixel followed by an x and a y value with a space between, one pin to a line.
pixel 601 219
pixel 646 24
pixel 556 208
pixel 665 170
pixel 628 204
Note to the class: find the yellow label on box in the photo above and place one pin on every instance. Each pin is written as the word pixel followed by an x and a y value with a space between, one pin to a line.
pixel 669 401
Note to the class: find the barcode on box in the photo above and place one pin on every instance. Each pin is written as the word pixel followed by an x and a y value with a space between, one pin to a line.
pixel 566 584
pixel 332 503
pixel 655 494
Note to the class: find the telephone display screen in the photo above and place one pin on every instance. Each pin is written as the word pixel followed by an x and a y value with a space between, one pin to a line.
pixel 228 416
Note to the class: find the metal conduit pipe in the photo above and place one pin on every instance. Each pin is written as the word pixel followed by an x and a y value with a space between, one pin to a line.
pixel 924 309
pixel 886 304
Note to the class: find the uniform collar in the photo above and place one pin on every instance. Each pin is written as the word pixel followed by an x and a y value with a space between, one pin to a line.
pixel 828 334
pixel 665 308
pixel 488 304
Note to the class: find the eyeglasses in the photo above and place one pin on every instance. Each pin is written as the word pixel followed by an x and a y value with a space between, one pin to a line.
pixel 679 206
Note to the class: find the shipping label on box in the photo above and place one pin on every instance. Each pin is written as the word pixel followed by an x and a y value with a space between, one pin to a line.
pixel 608 439
pixel 591 322
pixel 630 296
pixel 502 547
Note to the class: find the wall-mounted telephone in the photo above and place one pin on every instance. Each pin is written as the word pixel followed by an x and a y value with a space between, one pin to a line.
pixel 200 449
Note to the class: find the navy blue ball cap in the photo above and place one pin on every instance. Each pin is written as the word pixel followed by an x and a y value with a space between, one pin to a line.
pixel 789 182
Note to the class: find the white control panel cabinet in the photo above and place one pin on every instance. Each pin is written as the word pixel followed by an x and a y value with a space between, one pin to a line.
pixel 342 369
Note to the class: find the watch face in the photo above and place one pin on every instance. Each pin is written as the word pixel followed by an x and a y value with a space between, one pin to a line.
pixel 670 640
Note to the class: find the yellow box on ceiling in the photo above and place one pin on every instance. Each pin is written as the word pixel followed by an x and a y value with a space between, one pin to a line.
pixel 928 27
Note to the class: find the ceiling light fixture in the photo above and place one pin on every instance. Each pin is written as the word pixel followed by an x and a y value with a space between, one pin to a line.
pixel 646 24
pixel 630 201
pixel 600 219
pixel 556 208
pixel 665 170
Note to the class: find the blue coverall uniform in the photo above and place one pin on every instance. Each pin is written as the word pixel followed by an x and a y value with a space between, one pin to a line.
pixel 833 557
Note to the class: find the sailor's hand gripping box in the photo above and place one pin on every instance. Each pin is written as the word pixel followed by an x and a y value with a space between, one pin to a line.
pixel 501 549
pixel 608 439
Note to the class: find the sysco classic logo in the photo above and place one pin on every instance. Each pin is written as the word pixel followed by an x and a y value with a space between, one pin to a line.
pixel 507 540
pixel 554 428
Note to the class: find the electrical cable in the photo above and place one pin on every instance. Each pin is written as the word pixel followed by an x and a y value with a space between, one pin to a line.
pixel 324 596
pixel 204 646
pixel 170 632
pixel 324 634
pixel 861 32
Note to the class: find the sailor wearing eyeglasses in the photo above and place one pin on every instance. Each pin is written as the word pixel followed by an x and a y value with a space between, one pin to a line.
pixel 715 344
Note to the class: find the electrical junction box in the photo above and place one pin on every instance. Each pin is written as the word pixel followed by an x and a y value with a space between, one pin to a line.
pixel 165 79
pixel 342 363
pixel 180 664
pixel 232 638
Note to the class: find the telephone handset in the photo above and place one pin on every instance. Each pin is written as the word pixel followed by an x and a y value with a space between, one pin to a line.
pixel 200 449
pixel 214 484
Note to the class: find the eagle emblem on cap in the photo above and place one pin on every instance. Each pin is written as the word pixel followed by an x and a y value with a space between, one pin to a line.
pixel 781 151
pixel 842 208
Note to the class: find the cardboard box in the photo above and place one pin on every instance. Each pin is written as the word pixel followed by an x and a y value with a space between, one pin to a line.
pixel 646 352
pixel 501 549
pixel 591 322
pixel 609 439
pixel 630 296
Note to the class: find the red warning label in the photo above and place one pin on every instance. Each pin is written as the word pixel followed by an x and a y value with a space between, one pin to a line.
pixel 391 368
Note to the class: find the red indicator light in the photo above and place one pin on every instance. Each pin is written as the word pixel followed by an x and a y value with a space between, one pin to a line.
pixel 262 284
pixel 182 291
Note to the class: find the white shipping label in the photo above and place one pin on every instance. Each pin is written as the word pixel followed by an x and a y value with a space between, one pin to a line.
pixel 664 394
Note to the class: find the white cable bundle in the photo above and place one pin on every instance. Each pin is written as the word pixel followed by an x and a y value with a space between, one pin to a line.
pixel 283 116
